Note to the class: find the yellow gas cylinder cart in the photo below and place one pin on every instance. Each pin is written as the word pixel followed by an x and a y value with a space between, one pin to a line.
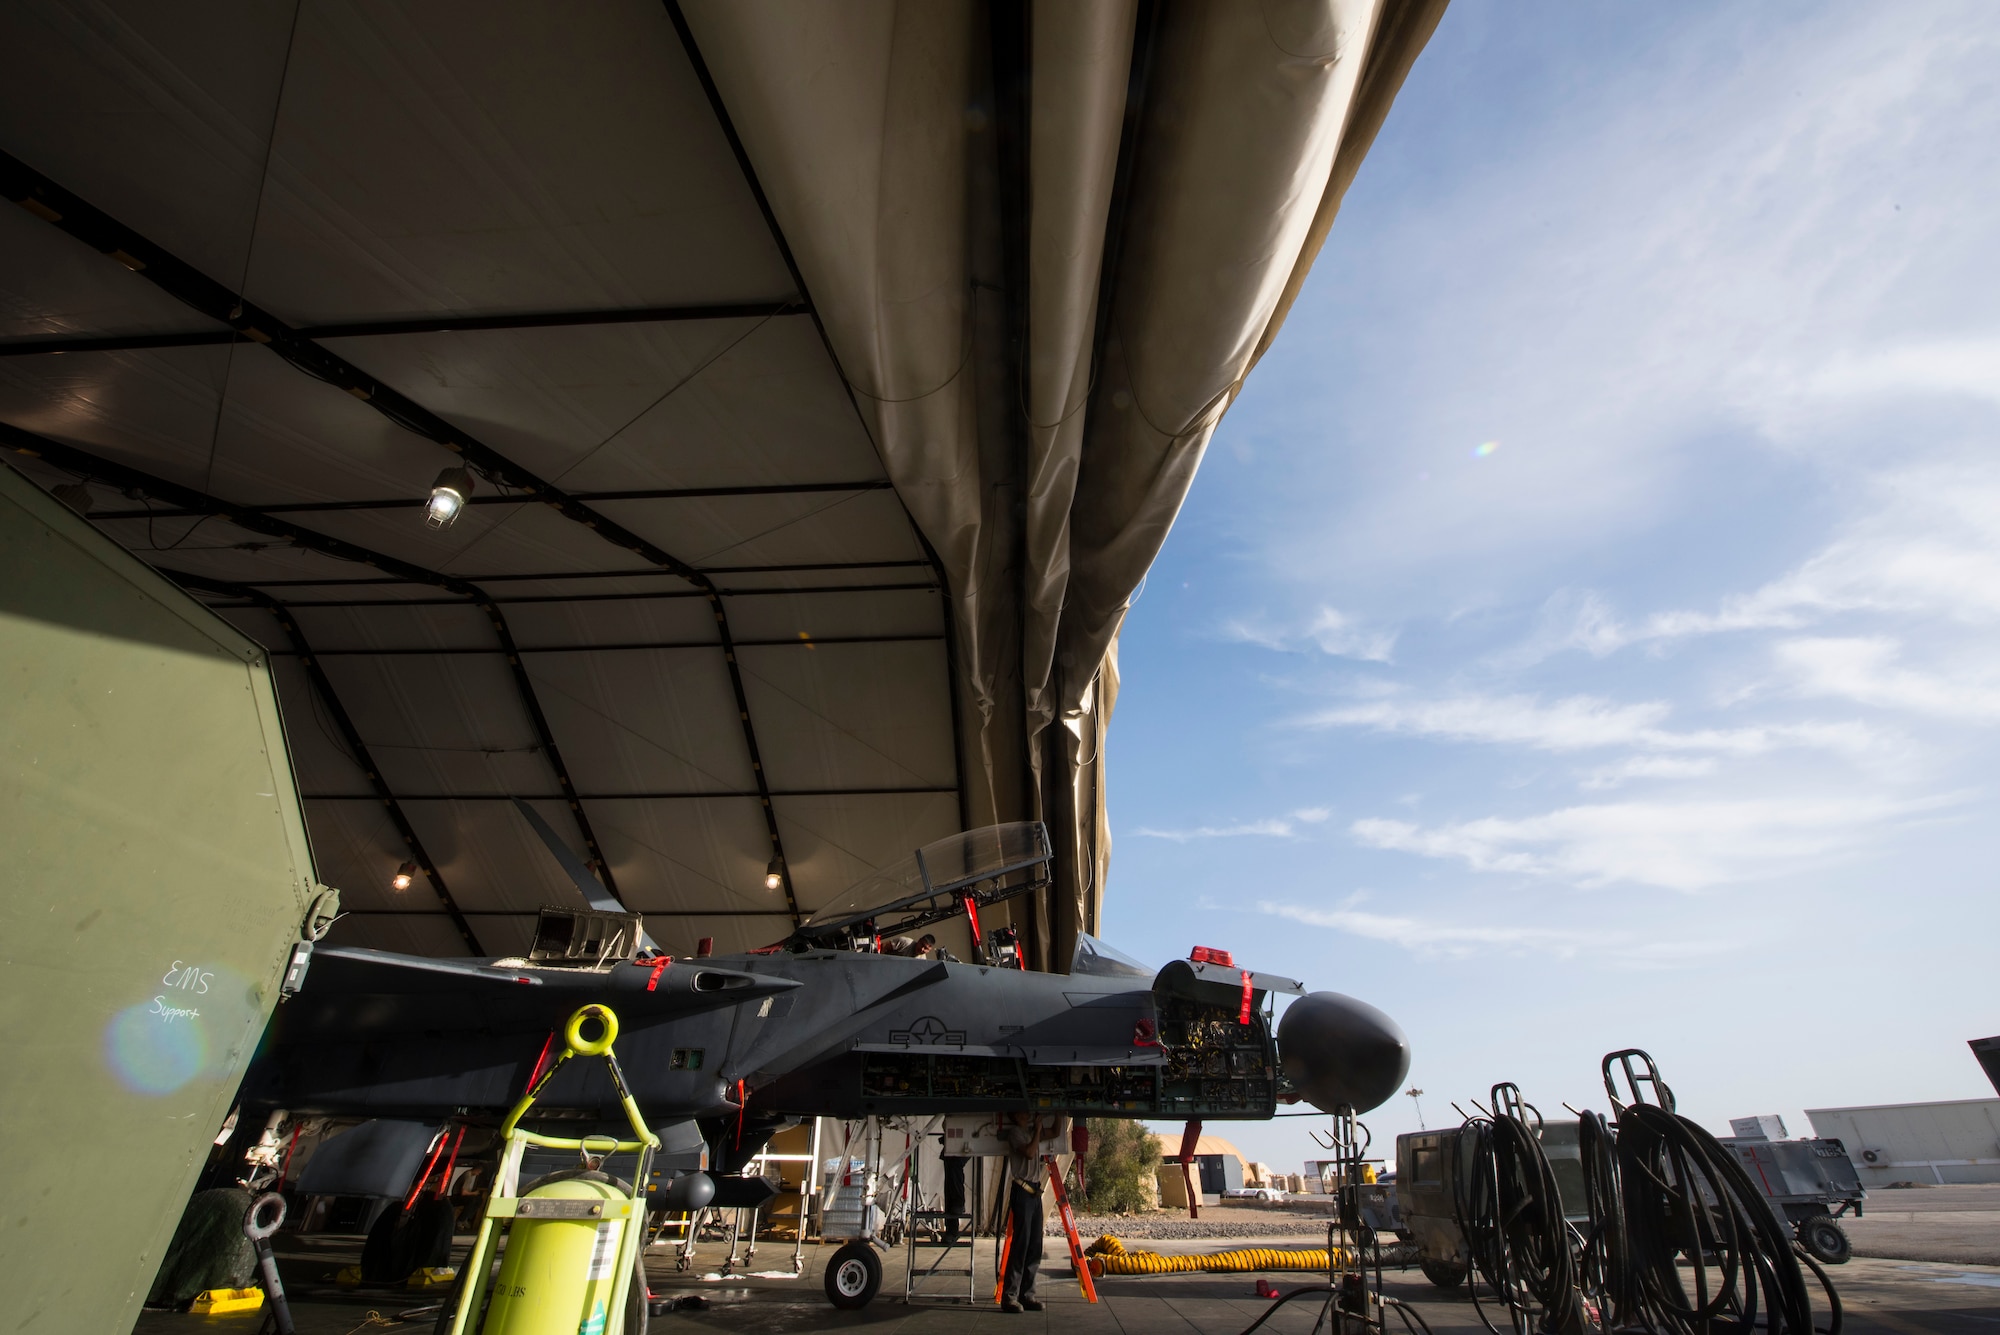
pixel 573 1239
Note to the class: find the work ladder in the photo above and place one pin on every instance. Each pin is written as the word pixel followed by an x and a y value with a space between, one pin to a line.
pixel 954 1232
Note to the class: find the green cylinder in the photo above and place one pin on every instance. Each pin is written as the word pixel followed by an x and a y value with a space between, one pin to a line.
pixel 558 1275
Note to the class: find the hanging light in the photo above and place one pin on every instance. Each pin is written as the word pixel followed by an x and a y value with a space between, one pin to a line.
pixel 774 875
pixel 448 495
pixel 405 875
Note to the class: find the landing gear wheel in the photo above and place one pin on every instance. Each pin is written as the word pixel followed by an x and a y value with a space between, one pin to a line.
pixel 853 1276
pixel 1444 1274
pixel 1825 1240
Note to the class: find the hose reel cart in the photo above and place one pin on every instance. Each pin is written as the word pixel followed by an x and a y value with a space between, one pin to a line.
pixel 572 1263
pixel 1673 1238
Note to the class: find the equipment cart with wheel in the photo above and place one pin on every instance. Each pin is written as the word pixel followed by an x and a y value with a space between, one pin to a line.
pixel 1810 1185
pixel 572 1238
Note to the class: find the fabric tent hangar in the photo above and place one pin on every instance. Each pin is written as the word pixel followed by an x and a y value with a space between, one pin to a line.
pixel 824 379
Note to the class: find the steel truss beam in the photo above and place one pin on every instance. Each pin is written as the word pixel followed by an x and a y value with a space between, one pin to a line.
pixel 74 460
pixel 651 494
pixel 416 324
pixel 49 201
pixel 686 796
pixel 422 651
pixel 547 576
pixel 928 587
pixel 350 734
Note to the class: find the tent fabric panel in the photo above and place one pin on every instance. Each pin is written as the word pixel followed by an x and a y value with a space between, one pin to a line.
pixel 453 156
pixel 768 408
pixel 689 854
pixel 623 621
pixel 644 720
pixel 1082 62
pixel 390 627
pixel 321 761
pixel 442 724
pixel 153 409
pixel 58 287
pixel 831 843
pixel 1240 146
pixel 852 715
pixel 792 615
pixel 158 114
pixel 356 847
pixel 430 932
pixel 642 405
pixel 813 527
pixel 490 857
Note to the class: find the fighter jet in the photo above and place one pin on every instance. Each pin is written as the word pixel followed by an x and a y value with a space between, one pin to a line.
pixel 720 1051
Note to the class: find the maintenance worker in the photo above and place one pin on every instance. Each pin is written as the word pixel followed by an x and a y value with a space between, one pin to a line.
pixel 920 948
pixel 1025 1134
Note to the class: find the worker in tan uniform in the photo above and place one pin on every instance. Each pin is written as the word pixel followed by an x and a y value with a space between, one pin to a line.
pixel 1025 1133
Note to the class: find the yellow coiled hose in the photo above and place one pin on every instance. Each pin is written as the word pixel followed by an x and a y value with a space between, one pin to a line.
pixel 1109 1257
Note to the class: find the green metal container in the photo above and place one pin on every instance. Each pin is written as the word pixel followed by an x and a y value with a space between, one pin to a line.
pixel 154 874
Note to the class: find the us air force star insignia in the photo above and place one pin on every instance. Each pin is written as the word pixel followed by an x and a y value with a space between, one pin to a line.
pixel 929 1032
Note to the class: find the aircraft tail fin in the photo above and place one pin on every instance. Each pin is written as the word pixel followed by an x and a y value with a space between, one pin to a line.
pixel 592 889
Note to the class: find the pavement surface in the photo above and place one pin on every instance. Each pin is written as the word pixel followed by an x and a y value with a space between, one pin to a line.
pixel 1880 1296
pixel 1953 1224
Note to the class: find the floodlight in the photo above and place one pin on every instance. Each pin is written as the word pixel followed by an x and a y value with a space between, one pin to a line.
pixel 405 875
pixel 774 875
pixel 448 496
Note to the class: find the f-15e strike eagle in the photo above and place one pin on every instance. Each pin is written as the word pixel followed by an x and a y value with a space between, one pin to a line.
pixel 722 1051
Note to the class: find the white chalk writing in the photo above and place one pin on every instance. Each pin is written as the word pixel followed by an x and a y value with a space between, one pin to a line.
pixel 189 978
pixel 172 1013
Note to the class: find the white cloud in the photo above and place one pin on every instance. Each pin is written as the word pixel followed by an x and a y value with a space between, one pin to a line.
pixel 1780 258
pixel 1279 828
pixel 1579 723
pixel 1687 846
pixel 1273 828
pixel 1332 632
pixel 1648 767
pixel 1865 669
pixel 1925 545
pixel 1459 940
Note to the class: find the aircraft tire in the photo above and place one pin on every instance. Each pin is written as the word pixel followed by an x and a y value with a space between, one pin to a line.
pixel 1825 1240
pixel 853 1276
pixel 1444 1274
pixel 378 1265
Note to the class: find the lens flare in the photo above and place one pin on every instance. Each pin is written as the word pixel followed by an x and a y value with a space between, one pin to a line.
pixel 156 1046
pixel 1480 451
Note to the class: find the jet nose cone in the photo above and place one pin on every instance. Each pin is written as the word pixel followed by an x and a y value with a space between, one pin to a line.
pixel 1342 1053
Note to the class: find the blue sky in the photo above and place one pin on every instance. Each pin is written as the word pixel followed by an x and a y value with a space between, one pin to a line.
pixel 1670 717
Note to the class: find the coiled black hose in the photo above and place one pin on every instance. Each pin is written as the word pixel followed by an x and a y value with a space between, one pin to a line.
pixel 1510 1212
pixel 1604 1265
pixel 1683 1196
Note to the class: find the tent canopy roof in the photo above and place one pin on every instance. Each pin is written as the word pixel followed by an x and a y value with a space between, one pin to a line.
pixel 828 375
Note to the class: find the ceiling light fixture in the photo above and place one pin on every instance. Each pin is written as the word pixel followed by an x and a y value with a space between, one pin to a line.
pixel 405 874
pixel 774 875
pixel 448 495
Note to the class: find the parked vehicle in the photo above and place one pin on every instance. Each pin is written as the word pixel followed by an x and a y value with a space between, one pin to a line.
pixel 1255 1194
pixel 1809 1184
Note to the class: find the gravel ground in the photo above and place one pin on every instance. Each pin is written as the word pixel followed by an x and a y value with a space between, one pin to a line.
pixel 1217 1221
